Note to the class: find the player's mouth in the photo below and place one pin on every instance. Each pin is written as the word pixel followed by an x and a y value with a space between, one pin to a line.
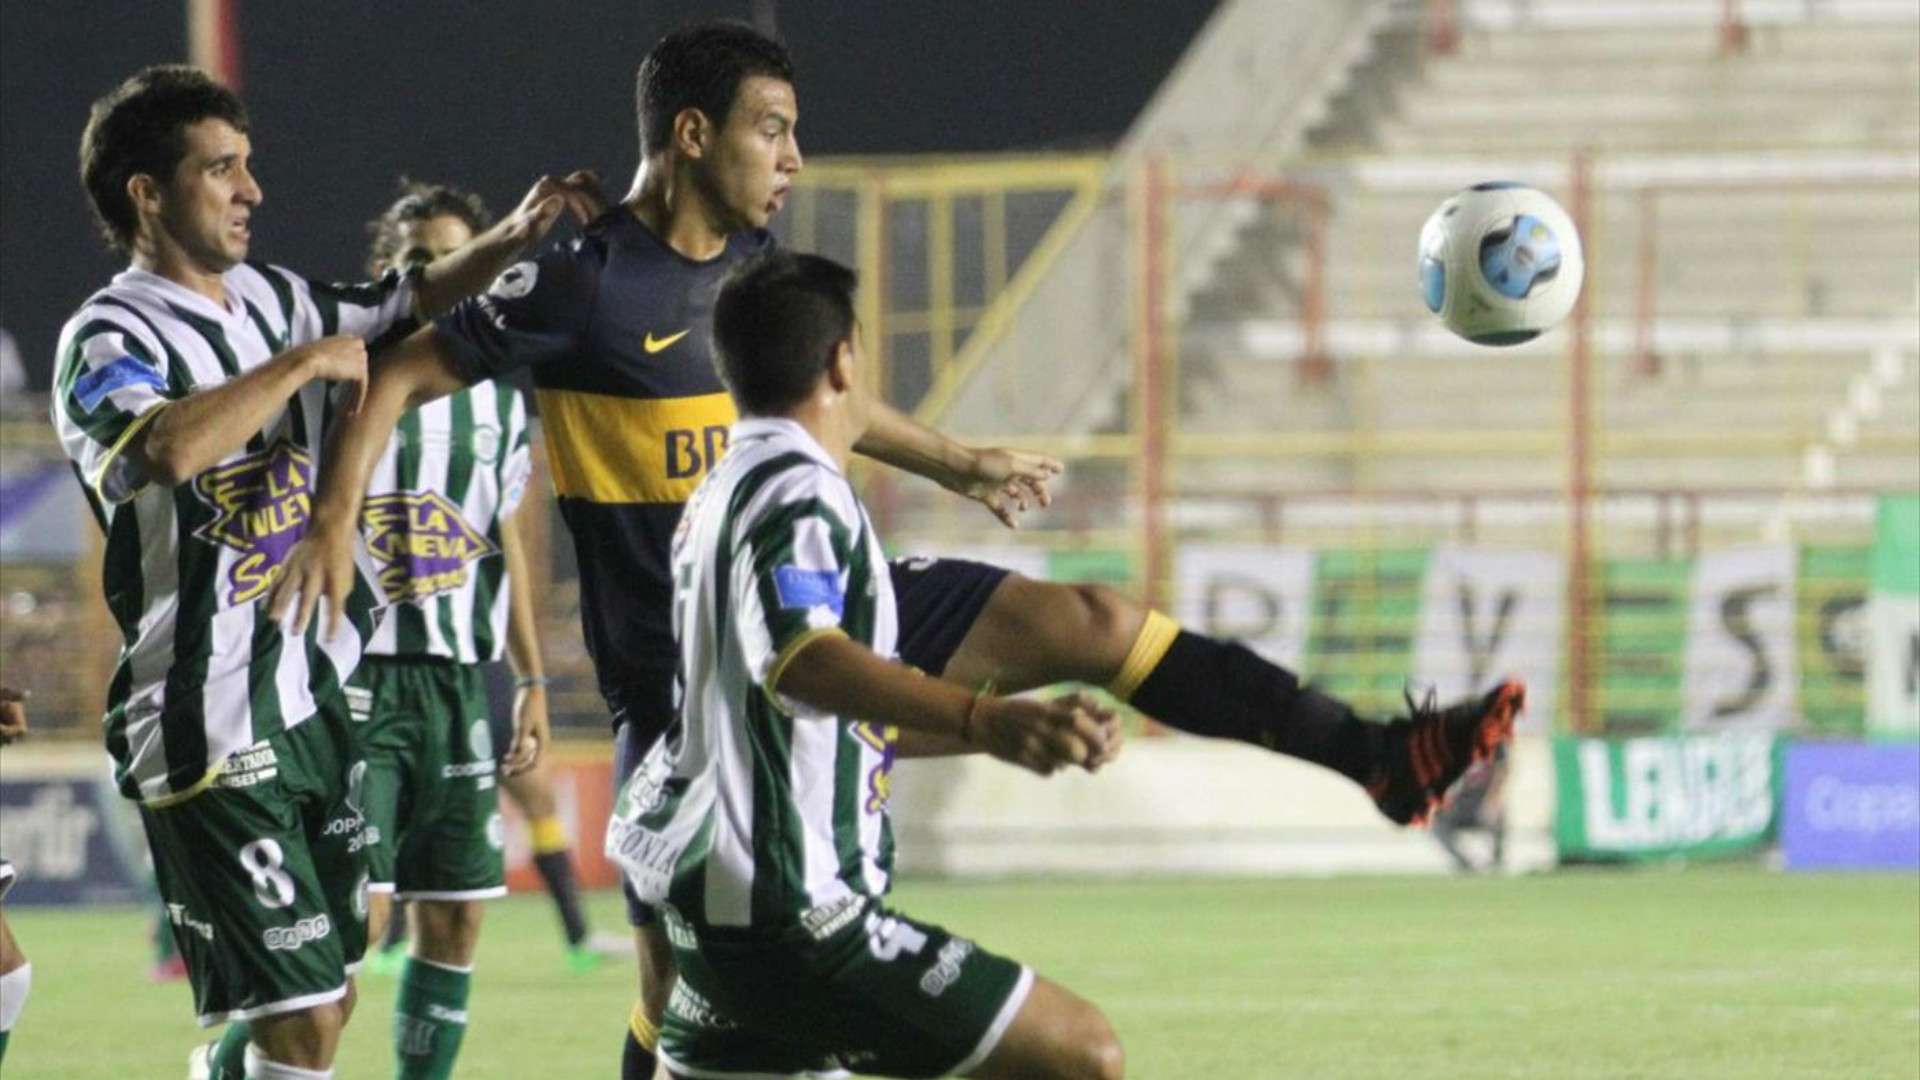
pixel 778 200
pixel 241 229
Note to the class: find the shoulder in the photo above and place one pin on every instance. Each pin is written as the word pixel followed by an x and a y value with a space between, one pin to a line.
pixel 115 311
pixel 788 483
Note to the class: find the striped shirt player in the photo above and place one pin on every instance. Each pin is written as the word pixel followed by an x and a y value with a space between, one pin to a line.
pixel 433 520
pixel 786 809
pixel 760 823
pixel 232 737
pixel 455 468
pixel 203 673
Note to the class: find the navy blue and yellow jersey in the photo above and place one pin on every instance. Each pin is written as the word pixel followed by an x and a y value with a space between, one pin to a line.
pixel 616 328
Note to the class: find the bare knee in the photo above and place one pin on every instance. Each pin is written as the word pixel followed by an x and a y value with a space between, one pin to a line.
pixel 305 1039
pixel 447 931
pixel 1109 616
pixel 1101 1056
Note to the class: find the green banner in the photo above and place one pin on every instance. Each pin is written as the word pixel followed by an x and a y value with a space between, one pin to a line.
pixel 1893 613
pixel 1896 545
pixel 1692 795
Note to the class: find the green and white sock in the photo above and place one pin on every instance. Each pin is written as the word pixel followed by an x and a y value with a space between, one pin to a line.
pixel 229 1058
pixel 429 1018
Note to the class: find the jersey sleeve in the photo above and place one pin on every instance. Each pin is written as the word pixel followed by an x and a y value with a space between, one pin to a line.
pixel 516 463
pixel 109 385
pixel 790 572
pixel 535 312
pixel 382 308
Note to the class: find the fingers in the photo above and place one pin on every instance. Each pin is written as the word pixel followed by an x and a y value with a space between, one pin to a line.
pixel 586 197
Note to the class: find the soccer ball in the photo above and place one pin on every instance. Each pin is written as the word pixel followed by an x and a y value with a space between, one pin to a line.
pixel 1500 263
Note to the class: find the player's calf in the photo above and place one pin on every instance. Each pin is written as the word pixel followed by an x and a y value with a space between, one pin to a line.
pixel 1056 1034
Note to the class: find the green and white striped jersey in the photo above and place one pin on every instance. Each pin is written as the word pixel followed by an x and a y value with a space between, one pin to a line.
pixel 753 810
pixel 454 469
pixel 203 672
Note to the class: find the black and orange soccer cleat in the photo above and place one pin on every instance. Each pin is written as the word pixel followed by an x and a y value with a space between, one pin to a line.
pixel 1430 749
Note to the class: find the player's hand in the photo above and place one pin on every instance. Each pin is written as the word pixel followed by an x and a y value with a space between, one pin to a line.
pixel 340 358
pixel 319 569
pixel 578 194
pixel 1042 736
pixel 531 732
pixel 1009 482
pixel 13 714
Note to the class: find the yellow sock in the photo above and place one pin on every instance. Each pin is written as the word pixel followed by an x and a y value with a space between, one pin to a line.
pixel 549 835
pixel 1156 637
pixel 644 1032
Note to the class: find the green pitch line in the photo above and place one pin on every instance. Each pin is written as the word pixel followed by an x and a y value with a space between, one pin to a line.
pixel 1725 972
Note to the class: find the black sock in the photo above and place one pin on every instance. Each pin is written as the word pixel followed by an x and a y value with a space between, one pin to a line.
pixel 636 1061
pixel 556 869
pixel 1223 690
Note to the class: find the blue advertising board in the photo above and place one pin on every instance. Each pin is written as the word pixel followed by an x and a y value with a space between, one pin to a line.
pixel 1852 806
pixel 69 842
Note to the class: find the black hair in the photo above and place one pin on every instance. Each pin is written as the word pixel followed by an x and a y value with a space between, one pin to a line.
pixel 422 202
pixel 140 127
pixel 776 325
pixel 701 66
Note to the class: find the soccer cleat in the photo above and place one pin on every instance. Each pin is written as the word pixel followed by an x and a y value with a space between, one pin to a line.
pixel 386 962
pixel 1427 752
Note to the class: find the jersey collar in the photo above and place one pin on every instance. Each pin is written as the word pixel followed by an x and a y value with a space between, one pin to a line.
pixel 781 429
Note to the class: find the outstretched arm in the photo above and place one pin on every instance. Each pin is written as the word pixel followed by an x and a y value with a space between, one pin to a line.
pixel 834 673
pixel 1006 482
pixel 461 273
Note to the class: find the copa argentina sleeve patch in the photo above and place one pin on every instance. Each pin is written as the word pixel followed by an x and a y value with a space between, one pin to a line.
pixel 800 590
pixel 93 387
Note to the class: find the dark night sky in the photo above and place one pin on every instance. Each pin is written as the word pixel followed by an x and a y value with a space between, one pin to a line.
pixel 347 94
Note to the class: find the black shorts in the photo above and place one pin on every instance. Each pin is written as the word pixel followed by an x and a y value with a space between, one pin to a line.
pixel 938 601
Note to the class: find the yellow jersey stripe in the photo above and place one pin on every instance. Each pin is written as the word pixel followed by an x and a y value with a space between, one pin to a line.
pixel 609 449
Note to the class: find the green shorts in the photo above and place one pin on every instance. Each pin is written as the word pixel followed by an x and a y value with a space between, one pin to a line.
pixel 433 800
pixel 872 992
pixel 264 874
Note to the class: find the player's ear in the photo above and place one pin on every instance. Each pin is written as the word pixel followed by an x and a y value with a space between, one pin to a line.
pixel 143 192
pixel 691 130
pixel 840 367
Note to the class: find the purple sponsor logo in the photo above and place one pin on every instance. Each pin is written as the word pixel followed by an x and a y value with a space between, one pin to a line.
pixel 264 502
pixel 885 741
pixel 422 543
pixel 1852 806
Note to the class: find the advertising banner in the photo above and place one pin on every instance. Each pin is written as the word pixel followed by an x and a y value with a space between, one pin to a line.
pixel 1488 613
pixel 1741 669
pixel 1258 595
pixel 583 797
pixel 1850 806
pixel 70 841
pixel 1656 797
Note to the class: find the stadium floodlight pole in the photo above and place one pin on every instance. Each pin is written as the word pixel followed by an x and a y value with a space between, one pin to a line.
pixel 213 39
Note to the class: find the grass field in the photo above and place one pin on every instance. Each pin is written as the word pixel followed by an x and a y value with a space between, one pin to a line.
pixel 1724 972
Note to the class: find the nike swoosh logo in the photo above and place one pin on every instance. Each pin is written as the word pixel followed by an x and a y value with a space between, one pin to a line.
pixel 655 344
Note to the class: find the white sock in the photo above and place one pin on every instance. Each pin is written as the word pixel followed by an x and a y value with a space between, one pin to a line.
pixel 13 994
pixel 259 1068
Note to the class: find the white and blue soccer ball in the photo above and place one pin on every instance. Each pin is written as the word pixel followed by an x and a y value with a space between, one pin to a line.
pixel 1500 263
